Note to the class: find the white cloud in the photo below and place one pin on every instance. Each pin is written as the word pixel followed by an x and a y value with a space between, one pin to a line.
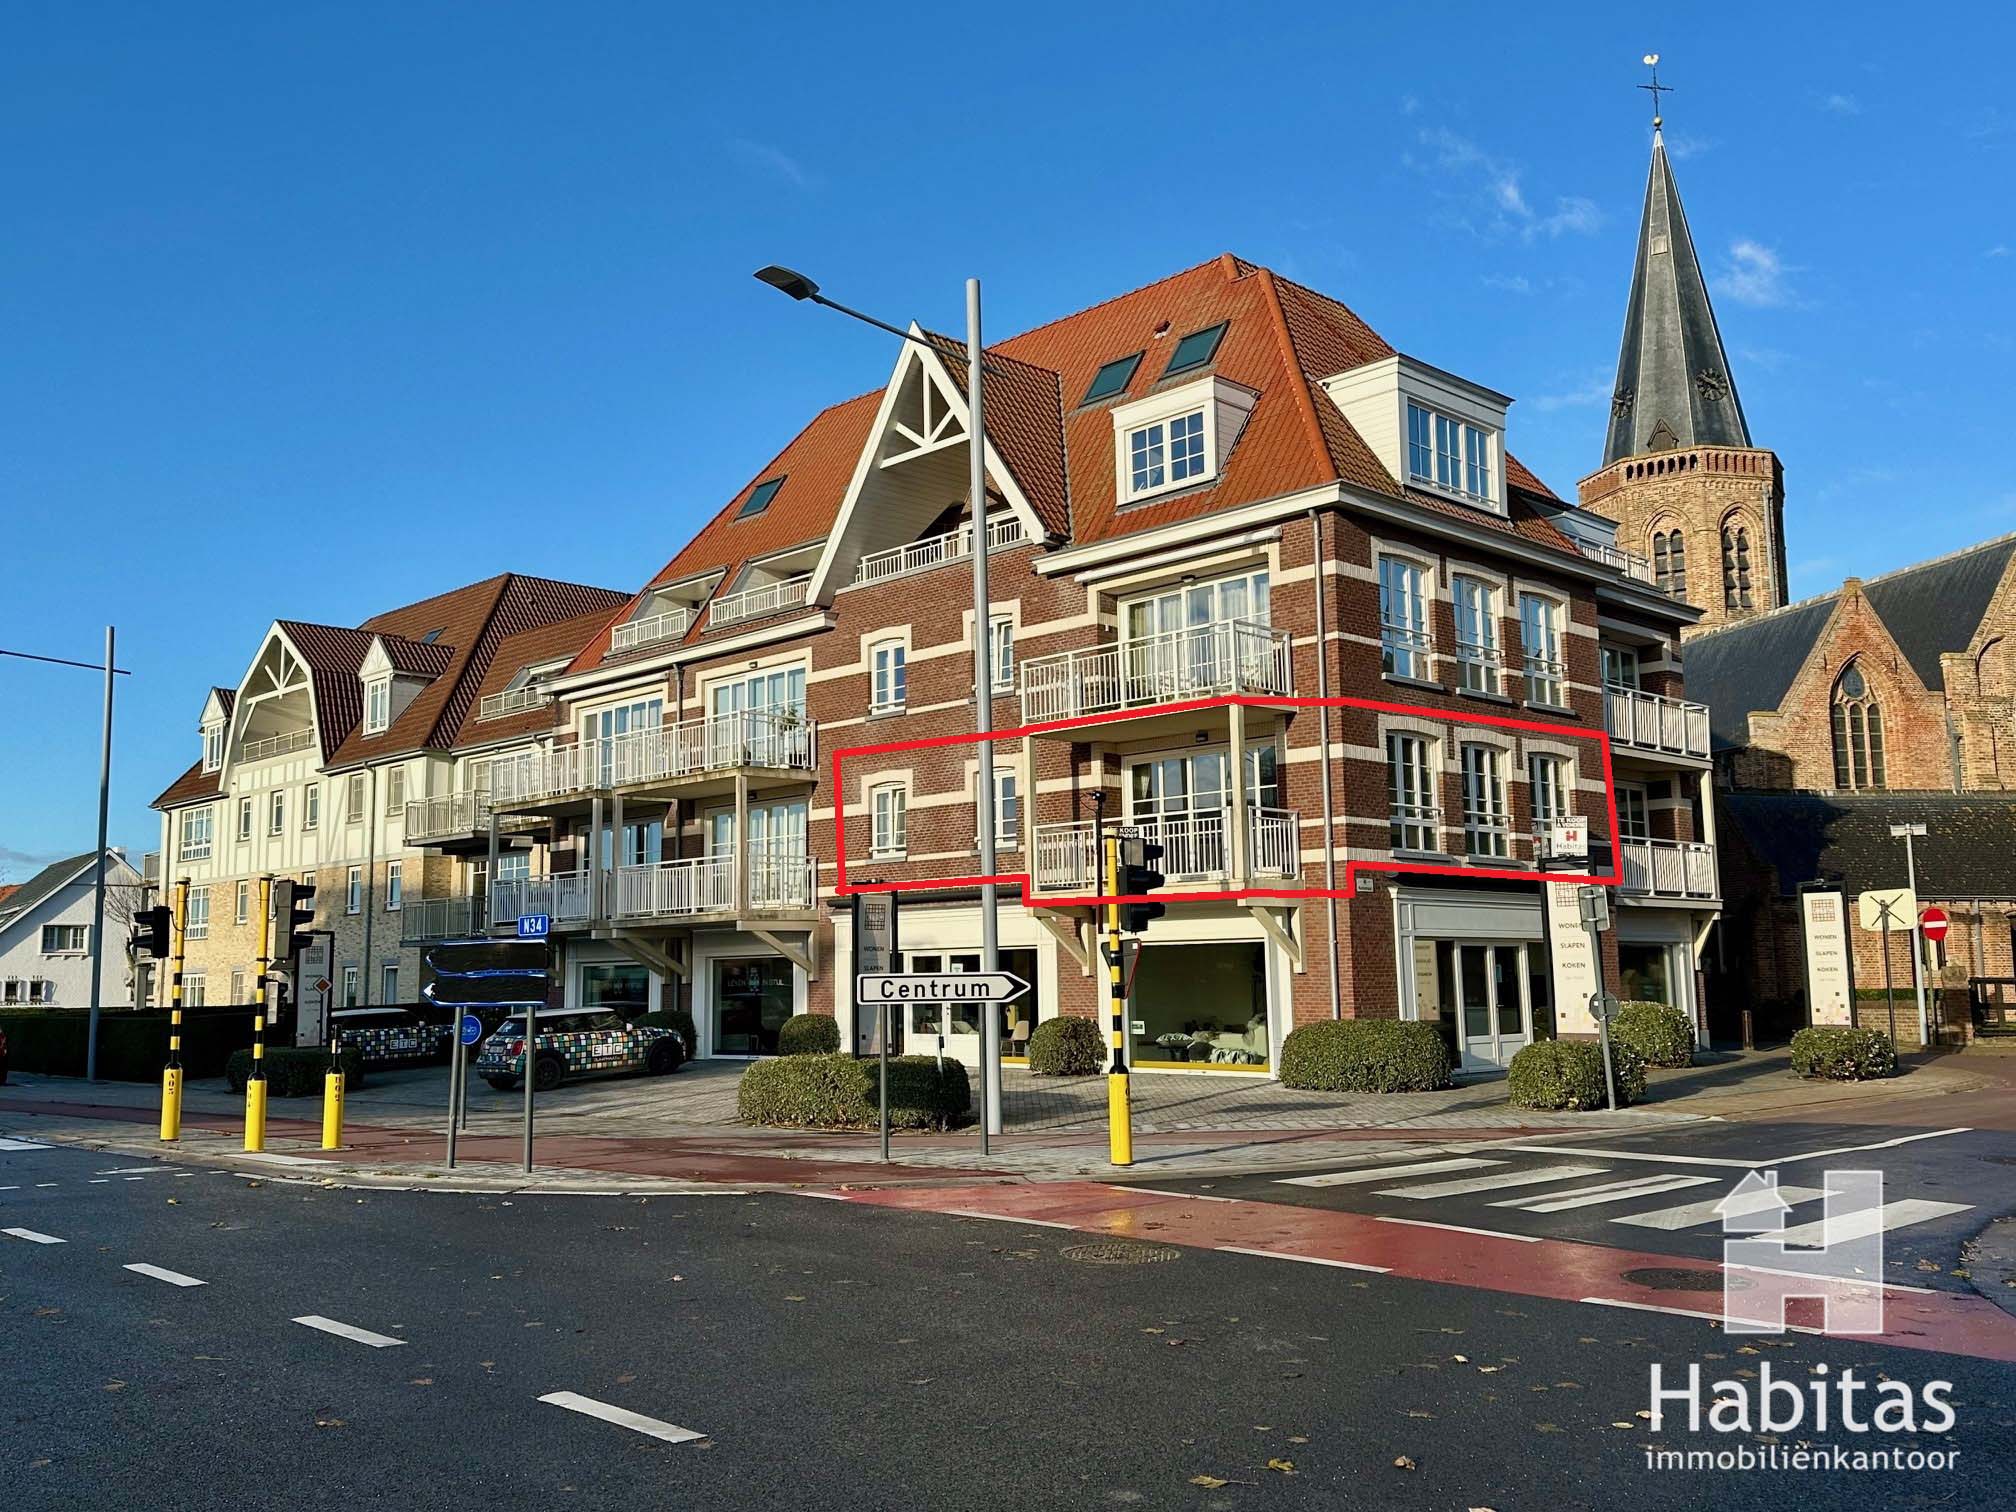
pixel 1596 391
pixel 2000 249
pixel 1509 283
pixel 1841 104
pixel 1497 181
pixel 773 160
pixel 1754 275
pixel 1680 146
pixel 1410 104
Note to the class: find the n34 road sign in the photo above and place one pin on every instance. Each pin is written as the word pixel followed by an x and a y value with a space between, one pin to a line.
pixel 948 987
pixel 534 926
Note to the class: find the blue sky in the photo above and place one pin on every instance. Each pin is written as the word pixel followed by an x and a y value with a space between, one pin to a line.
pixel 317 309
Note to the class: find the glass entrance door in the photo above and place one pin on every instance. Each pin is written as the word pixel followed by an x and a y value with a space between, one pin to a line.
pixel 1486 986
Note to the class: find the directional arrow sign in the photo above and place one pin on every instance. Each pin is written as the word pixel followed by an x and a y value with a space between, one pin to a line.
pixel 948 987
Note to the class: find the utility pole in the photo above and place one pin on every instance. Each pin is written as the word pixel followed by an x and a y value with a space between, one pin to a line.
pixel 983 705
pixel 1907 833
pixel 98 893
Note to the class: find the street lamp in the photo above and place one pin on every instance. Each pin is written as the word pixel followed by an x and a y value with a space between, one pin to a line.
pixel 798 286
pixel 1907 833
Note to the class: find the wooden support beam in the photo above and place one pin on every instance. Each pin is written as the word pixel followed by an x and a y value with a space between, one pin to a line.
pixel 1069 932
pixel 800 955
pixel 1278 921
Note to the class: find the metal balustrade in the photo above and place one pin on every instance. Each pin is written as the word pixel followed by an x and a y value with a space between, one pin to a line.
pixel 933 551
pixel 777 738
pixel 546 772
pixel 754 603
pixel 1653 722
pixel 1195 847
pixel 650 630
pixel 663 889
pixel 1231 656
pixel 439 919
pixel 564 897
pixel 1668 868
pixel 446 815
pixel 275 745
pixel 511 701
pixel 1630 563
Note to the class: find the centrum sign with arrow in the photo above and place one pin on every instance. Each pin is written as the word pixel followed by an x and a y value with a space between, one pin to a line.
pixel 946 987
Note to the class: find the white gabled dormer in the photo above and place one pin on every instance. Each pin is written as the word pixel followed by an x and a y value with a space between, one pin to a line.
pixel 1177 438
pixel 1433 430
pixel 216 727
pixel 387 692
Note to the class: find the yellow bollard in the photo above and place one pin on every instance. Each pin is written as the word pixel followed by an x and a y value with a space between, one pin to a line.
pixel 332 1109
pixel 1119 1119
pixel 255 1115
pixel 171 1103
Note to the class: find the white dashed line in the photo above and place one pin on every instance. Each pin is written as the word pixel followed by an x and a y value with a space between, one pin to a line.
pixel 1240 1249
pixel 129 1170
pixel 345 1331
pixel 671 1433
pixel 1009 1218
pixel 41 1184
pixel 1683 1312
pixel 99 1181
pixel 31 1236
pixel 173 1278
pixel 1457 1228
pixel 10 1189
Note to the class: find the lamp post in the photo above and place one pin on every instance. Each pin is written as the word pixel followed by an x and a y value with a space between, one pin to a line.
pixel 798 286
pixel 1907 833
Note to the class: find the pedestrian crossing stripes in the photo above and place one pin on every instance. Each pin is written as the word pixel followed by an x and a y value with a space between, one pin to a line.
pixel 1711 1209
pixel 8 1142
pixel 1609 1191
pixel 1842 1227
pixel 1492 1183
pixel 1386 1173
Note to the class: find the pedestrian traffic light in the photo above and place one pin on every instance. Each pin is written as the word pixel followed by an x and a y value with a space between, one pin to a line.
pixel 1138 876
pixel 150 931
pixel 293 917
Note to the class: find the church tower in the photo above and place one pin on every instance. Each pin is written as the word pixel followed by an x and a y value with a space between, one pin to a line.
pixel 1688 490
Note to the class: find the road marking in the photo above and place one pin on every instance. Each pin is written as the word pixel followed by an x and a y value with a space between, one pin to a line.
pixel 284 1160
pixel 1009 1218
pixel 827 1196
pixel 98 1181
pixel 1684 1312
pixel 173 1278
pixel 1866 1221
pixel 1382 1173
pixel 31 1236
pixel 1609 1191
pixel 136 1178
pixel 671 1433
pixel 345 1331
pixel 10 1189
pixel 1809 1275
pixel 1457 1228
pixel 1492 1182
pixel 40 1184
pixel 1693 1214
pixel 1696 1160
pixel 129 1170
pixel 1186 1196
pixel 9 1143
pixel 1881 1144
pixel 1240 1249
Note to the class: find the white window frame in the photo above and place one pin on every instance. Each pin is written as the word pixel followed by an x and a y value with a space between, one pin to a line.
pixel 1560 785
pixel 311 806
pixel 1624 660
pixel 889 820
pixel 1480 665
pixel 244 819
pixel 195 989
pixel 388 982
pixel 213 747
pixel 1634 811
pixel 1545 667
pixel 353 890
pixel 1451 455
pixel 888 677
pixel 352 988
pixel 355 799
pixel 395 886
pixel 241 912
pixel 1209 412
pixel 1486 819
pixel 1001 652
pixel 1406 639
pixel 1007 797
pixel 276 811
pixel 1415 816
pixel 378 705
pixel 238 984
pixel 81 933
pixel 196 915
pixel 199 833
pixel 395 791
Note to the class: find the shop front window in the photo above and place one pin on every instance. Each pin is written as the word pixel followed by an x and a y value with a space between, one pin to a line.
pixel 1647 973
pixel 752 999
pixel 1200 1005
pixel 616 988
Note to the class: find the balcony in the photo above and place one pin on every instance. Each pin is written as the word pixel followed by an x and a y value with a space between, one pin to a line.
pixel 275 745
pixel 649 631
pixel 755 603
pixel 1679 869
pixel 1232 656
pixel 696 756
pixel 1195 848
pixel 424 919
pixel 539 776
pixel 511 701
pixel 933 551
pixel 567 898
pixel 449 816
pixel 1652 722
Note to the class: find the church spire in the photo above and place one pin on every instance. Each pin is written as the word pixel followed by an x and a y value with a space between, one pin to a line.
pixel 1674 388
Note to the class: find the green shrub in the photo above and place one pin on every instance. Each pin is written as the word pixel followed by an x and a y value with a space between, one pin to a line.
pixel 1663 1035
pixel 1835 1052
pixel 840 1092
pixel 1568 1074
pixel 809 1034
pixel 294 1072
pixel 1066 1046
pixel 1365 1055
pixel 675 1018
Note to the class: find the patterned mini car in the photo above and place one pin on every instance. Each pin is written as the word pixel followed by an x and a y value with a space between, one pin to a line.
pixel 390 1036
pixel 571 1044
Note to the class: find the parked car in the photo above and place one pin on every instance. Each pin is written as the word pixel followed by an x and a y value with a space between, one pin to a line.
pixel 390 1035
pixel 571 1044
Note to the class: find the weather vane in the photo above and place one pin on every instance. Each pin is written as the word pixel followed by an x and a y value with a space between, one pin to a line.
pixel 1655 87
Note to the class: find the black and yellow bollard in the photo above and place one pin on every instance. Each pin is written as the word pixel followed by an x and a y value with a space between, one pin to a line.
pixel 255 1085
pixel 171 1075
pixel 332 1104
pixel 1119 1103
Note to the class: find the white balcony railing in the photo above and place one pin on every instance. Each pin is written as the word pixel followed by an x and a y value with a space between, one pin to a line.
pixel 446 815
pixel 275 745
pixel 545 772
pixel 1668 868
pixel 1632 565
pixel 754 603
pixel 511 701
pixel 1652 722
pixel 920 556
pixel 782 739
pixel 1231 656
pixel 564 897
pixel 1195 847
pixel 669 889
pixel 650 630
pixel 439 919
pixel 781 876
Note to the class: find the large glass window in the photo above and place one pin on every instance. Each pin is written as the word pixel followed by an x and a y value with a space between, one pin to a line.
pixel 1634 812
pixel 1477 659
pixel 1166 453
pixel 618 987
pixel 1403 618
pixel 1484 822
pixel 776 691
pixel 197 825
pixel 887 691
pixel 891 833
pixel 752 999
pixel 1448 453
pixel 1620 666
pixel 1410 793
pixel 1200 1005
pixel 196 921
pixel 1540 638
pixel 1647 972
pixel 600 728
pixel 1858 733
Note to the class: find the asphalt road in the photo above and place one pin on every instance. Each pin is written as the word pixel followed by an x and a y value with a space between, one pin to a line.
pixel 829 1355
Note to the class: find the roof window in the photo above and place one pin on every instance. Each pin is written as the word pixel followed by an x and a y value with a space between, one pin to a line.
pixel 1112 378
pixel 1196 349
pixel 759 498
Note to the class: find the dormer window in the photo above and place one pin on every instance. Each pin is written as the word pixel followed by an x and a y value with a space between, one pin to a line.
pixel 1166 453
pixel 213 747
pixel 1179 438
pixel 1448 454
pixel 377 705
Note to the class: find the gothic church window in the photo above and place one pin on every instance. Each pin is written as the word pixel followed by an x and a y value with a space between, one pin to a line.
pixel 1669 562
pixel 1858 733
pixel 1736 582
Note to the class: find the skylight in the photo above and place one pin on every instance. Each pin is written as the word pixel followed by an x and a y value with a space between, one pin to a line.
pixel 432 636
pixel 759 499
pixel 1112 378
pixel 1196 349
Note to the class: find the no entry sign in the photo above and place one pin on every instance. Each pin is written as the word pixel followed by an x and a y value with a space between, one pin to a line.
pixel 1933 923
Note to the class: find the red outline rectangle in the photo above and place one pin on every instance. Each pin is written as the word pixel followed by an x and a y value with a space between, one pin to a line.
pixel 1351 868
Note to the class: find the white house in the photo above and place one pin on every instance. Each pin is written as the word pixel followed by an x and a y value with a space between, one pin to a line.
pixel 45 933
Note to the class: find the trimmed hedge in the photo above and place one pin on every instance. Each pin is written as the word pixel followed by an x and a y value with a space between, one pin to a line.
pixel 1568 1074
pixel 809 1034
pixel 675 1018
pixel 1066 1046
pixel 132 1046
pixel 1365 1055
pixel 1835 1052
pixel 293 1071
pixel 840 1092
pixel 1664 1035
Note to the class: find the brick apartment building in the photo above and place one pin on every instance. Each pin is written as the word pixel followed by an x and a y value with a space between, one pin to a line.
pixel 1222 484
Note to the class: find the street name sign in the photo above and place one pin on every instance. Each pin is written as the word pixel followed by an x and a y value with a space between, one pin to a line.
pixel 946 987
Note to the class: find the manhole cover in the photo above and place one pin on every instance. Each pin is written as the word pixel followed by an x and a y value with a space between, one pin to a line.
pixel 1673 1278
pixel 1120 1254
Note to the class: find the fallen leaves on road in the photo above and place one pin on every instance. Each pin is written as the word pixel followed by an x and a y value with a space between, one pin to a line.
pixel 421 1381
pixel 115 1386
pixel 1403 1463
pixel 1209 1482
pixel 1285 1467
pixel 330 1422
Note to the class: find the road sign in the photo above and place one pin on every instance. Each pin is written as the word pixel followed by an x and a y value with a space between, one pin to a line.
pixel 472 1028
pixel 1887 909
pixel 1594 906
pixel 321 984
pixel 945 987
pixel 1603 1006
pixel 1568 837
pixel 1933 923
pixel 534 926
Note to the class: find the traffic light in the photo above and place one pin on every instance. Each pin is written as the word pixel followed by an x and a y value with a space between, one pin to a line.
pixel 293 917
pixel 150 931
pixel 1137 876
